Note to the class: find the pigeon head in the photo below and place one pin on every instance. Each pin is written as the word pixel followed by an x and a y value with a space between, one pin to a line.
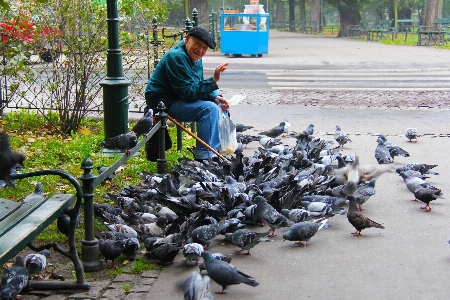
pixel 287 235
pixel 207 256
pixel 46 253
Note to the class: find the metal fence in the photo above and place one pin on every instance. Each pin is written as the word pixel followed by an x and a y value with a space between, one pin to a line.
pixel 31 88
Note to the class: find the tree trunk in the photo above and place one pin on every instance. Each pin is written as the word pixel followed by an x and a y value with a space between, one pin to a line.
pixel 432 10
pixel 291 15
pixel 202 8
pixel 315 15
pixel 348 14
pixel 302 10
pixel 280 15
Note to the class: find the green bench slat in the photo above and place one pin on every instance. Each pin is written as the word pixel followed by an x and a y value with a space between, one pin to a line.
pixel 31 225
pixel 19 213
pixel 7 207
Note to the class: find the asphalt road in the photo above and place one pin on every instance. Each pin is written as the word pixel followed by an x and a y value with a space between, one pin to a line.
pixel 299 61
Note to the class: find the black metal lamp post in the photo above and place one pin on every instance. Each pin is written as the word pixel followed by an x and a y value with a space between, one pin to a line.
pixel 115 86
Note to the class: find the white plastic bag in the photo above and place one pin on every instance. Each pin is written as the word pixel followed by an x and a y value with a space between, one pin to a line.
pixel 227 133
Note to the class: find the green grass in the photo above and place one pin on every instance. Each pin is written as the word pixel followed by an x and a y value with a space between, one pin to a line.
pixel 44 148
pixel 127 287
pixel 141 264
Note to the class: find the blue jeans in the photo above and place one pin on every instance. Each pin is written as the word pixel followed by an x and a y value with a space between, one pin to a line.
pixel 206 114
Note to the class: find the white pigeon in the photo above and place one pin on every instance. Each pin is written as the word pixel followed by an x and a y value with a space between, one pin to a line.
pixel 192 252
pixel 411 134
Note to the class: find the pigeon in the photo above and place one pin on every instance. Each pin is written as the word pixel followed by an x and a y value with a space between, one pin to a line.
pixel 275 131
pixel 413 183
pixel 111 249
pixel 310 129
pixel 143 125
pixel 394 150
pixel 426 195
pixel 123 142
pixel 8 160
pixel 131 247
pixel 154 229
pixel 218 256
pixel 242 127
pixel 357 219
pixel 197 287
pixel 14 279
pixel 165 253
pixel 36 263
pixel 364 192
pixel 287 126
pixel 411 134
pixel 205 234
pixel 124 229
pixel 192 253
pixel 102 169
pixel 272 217
pixel 382 154
pixel 422 168
pixel 225 274
pixel 341 137
pixel 302 232
pixel 63 224
pixel 246 239
pixel 268 142
pixel 295 215
pixel 36 195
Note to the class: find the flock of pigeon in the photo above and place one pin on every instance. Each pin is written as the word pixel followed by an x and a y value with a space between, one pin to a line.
pixel 296 188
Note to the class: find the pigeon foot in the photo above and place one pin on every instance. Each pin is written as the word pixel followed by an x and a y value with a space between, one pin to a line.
pixel 301 244
pixel 414 200
pixel 356 233
pixel 361 208
pixel 427 207
pixel 221 292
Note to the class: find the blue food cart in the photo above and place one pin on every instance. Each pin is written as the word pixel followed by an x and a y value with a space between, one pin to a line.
pixel 240 36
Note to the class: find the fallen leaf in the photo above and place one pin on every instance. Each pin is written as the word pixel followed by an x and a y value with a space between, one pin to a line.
pixel 125 262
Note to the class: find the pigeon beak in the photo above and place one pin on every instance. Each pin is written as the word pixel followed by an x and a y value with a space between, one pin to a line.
pixel 283 241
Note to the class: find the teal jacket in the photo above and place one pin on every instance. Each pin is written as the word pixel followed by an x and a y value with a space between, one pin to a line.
pixel 177 77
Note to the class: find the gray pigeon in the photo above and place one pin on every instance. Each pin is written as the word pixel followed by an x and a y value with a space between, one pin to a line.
pixel 422 168
pixel 394 150
pixel 242 127
pixel 302 232
pixel 36 195
pixel 218 256
pixel 268 142
pixel 143 125
pixel 357 219
pixel 426 195
pixel 411 134
pixel 131 247
pixel 413 183
pixel 272 217
pixel 8 160
pixel 274 132
pixel 192 253
pixel 123 142
pixel 225 274
pixel 14 279
pixel 111 249
pixel 197 287
pixel 205 234
pixel 382 154
pixel 341 137
pixel 36 262
pixel 295 215
pixel 364 192
pixel 310 129
pixel 246 239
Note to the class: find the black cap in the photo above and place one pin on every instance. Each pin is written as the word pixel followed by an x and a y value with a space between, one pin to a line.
pixel 204 35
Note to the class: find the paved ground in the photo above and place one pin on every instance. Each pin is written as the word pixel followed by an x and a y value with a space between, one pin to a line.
pixel 407 260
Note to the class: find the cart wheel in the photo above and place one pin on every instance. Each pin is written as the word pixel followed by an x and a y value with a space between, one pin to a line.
pixel 46 56
pixel 259 55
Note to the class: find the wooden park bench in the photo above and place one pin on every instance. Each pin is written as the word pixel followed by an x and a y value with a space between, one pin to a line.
pixel 358 30
pixel 21 223
pixel 383 29
pixel 437 34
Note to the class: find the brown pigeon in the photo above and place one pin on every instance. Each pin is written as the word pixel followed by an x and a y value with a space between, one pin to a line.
pixel 357 219
pixel 426 195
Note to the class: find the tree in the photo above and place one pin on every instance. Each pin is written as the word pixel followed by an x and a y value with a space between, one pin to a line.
pixel 432 10
pixel 202 8
pixel 315 15
pixel 348 13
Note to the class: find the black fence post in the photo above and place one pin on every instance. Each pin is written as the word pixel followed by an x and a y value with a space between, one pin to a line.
pixel 89 245
pixel 162 165
pixel 187 24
